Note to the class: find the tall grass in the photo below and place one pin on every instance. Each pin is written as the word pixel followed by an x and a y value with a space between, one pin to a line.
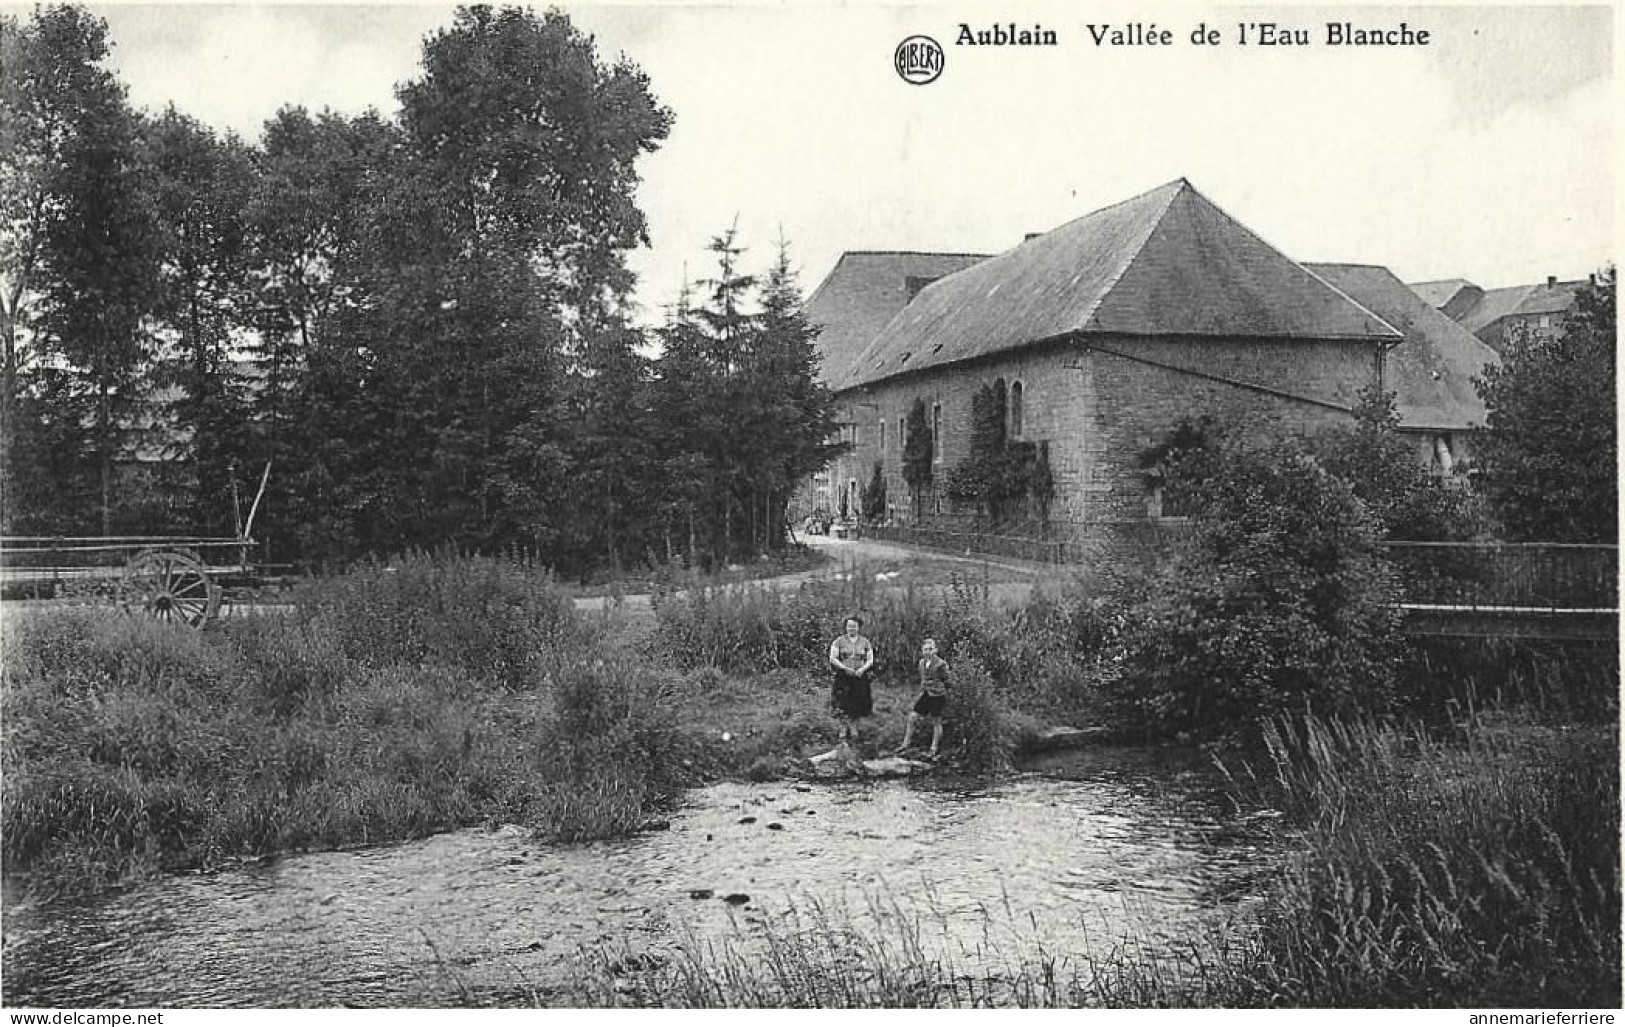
pixel 443 693
pixel 896 953
pixel 1481 869
pixel 1040 658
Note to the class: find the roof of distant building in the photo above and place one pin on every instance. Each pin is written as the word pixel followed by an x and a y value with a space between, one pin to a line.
pixel 864 291
pixel 1444 290
pixel 1543 298
pixel 1431 372
pixel 1167 262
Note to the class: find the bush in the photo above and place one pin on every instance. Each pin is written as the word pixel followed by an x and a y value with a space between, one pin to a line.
pixel 1279 598
pixel 482 616
pixel 612 753
pixel 977 727
pixel 393 705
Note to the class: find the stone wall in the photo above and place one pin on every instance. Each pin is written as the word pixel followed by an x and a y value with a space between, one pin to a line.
pixel 1100 406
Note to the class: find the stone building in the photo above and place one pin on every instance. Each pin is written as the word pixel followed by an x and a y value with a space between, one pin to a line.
pixel 1494 315
pixel 1112 330
pixel 863 292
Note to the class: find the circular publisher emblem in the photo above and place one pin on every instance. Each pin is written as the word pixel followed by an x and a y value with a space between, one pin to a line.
pixel 918 60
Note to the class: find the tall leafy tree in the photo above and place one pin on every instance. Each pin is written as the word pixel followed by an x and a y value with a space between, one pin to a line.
pixel 318 182
pixel 489 253
pixel 200 185
pixel 78 250
pixel 1547 460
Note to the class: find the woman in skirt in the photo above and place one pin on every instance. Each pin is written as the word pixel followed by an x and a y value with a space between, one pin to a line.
pixel 852 657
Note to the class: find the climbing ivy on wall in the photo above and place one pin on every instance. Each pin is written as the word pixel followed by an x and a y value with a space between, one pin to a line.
pixel 999 475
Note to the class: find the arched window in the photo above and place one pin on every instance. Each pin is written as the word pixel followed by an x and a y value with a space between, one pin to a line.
pixel 936 432
pixel 1016 392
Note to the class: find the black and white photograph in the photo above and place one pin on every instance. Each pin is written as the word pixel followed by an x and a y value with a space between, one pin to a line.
pixel 679 504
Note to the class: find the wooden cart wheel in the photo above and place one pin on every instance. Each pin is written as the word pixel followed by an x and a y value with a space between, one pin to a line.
pixel 171 586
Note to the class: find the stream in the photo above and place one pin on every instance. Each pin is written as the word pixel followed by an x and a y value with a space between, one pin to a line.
pixel 1078 852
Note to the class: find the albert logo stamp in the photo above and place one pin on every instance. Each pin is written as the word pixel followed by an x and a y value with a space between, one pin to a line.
pixel 918 60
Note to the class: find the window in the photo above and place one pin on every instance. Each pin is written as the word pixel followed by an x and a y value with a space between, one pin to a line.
pixel 1015 410
pixel 883 435
pixel 936 433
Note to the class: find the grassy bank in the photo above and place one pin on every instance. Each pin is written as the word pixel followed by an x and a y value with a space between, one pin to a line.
pixel 1473 863
pixel 432 694
pixel 1475 870
pixel 396 703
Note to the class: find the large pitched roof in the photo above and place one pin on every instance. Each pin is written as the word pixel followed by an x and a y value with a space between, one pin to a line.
pixel 1167 262
pixel 1430 372
pixel 863 292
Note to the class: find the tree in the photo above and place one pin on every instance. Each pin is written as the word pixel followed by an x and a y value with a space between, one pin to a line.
pixel 918 454
pixel 740 409
pixel 200 185
pixel 796 412
pixel 1410 503
pixel 1547 459
pixel 1279 598
pixel 454 273
pixel 77 249
pixel 874 497
pixel 317 185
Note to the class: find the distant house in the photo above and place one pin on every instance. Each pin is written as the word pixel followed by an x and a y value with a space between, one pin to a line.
pixel 1494 315
pixel 1452 297
pixel 863 292
pixel 1112 330
pixel 1431 373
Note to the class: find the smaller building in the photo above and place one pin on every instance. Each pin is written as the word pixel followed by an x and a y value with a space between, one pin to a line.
pixel 1495 315
pixel 861 294
pixel 1431 372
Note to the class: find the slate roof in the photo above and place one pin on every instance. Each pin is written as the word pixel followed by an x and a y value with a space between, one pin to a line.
pixel 1430 372
pixel 1520 300
pixel 1441 292
pixel 865 290
pixel 1167 262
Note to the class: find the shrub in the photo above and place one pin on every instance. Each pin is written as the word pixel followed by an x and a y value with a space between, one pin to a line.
pixel 1278 598
pixel 612 755
pixel 483 616
pixel 977 726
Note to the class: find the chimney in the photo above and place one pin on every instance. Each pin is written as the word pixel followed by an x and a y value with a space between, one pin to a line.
pixel 1551 281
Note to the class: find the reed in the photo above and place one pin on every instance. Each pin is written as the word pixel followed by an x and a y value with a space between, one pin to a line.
pixel 1476 868
pixel 894 952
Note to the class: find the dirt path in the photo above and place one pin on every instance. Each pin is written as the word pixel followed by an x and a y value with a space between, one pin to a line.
pixel 1008 582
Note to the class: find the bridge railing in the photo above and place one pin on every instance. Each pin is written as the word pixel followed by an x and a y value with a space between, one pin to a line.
pixel 1535 575
pixel 1499 575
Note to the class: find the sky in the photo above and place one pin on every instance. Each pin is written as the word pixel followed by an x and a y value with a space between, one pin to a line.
pixel 1486 155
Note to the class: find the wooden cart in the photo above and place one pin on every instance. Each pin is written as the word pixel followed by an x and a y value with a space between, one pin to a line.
pixel 176 579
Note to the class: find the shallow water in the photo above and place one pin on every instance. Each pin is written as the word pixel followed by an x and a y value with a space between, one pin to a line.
pixel 1079 852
